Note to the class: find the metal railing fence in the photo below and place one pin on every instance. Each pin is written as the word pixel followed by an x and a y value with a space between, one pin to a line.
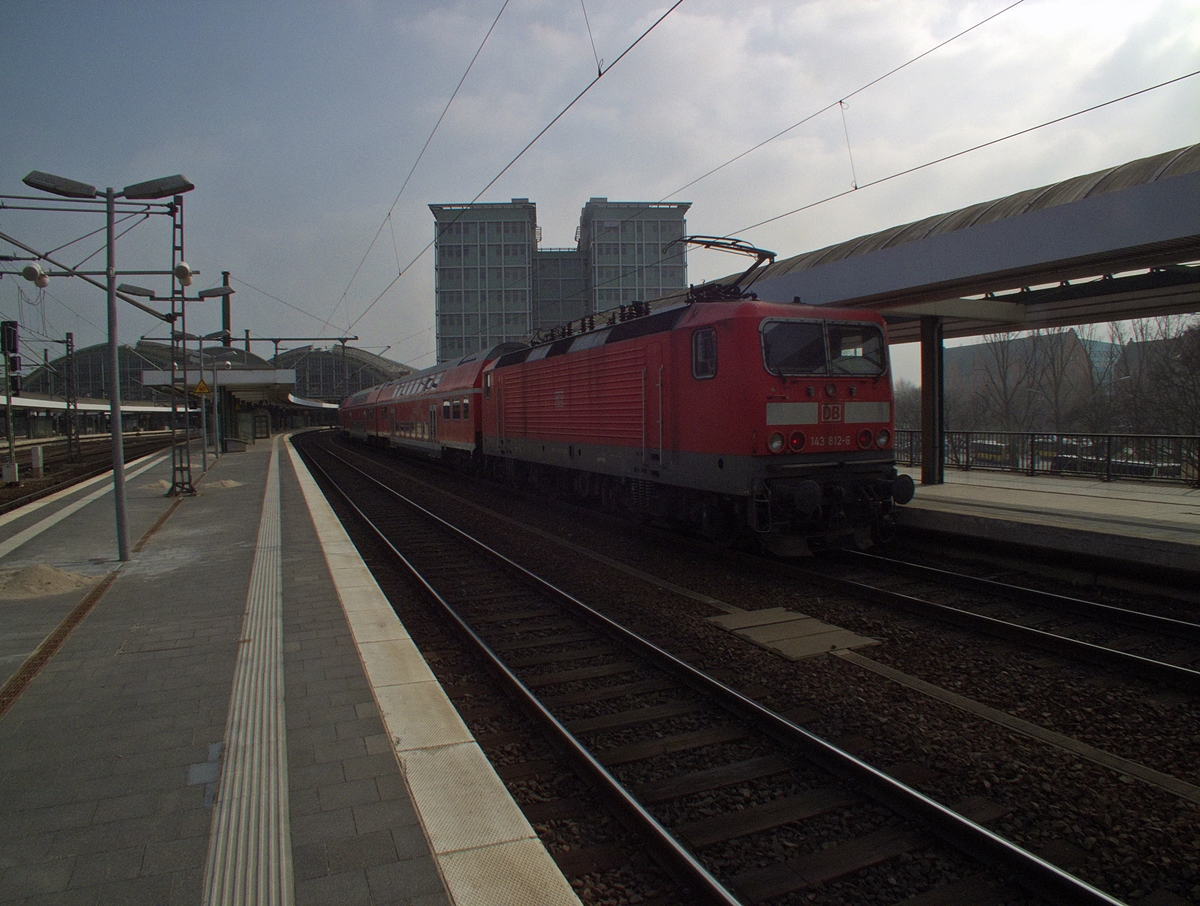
pixel 1144 457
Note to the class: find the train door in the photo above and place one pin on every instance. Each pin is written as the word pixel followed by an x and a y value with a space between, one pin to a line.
pixel 433 424
pixel 652 407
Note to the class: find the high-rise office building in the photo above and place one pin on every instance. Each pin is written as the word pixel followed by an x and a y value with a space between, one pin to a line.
pixel 562 290
pixel 630 252
pixel 494 284
pixel 483 274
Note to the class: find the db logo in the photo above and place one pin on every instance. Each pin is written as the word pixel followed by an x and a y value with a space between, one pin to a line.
pixel 831 412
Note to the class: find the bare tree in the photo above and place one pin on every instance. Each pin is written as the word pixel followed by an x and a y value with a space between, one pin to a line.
pixel 1004 387
pixel 908 405
pixel 1152 393
pixel 1097 413
pixel 1060 379
pixel 1175 378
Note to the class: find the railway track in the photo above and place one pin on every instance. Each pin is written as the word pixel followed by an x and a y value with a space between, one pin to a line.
pixel 1150 646
pixel 60 471
pixel 740 801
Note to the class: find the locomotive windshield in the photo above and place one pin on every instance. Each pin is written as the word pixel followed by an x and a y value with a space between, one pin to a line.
pixel 823 347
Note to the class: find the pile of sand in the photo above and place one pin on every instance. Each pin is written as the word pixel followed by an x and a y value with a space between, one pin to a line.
pixel 39 579
pixel 223 483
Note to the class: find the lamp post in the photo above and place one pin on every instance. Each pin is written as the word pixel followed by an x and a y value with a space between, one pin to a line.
pixel 152 189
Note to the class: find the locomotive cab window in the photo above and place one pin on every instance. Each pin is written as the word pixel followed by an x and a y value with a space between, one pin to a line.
pixel 856 349
pixel 704 353
pixel 794 347
pixel 823 347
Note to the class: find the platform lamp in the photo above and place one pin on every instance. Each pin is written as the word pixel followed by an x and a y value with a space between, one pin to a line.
pixel 143 191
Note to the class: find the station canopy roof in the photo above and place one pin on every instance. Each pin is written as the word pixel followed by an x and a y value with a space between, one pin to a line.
pixel 1119 243
pixel 242 374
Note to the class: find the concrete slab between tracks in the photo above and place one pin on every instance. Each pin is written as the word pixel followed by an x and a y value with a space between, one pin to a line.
pixel 1146 524
pixel 794 635
pixel 240 681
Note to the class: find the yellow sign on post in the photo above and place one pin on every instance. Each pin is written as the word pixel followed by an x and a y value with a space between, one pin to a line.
pixel 201 388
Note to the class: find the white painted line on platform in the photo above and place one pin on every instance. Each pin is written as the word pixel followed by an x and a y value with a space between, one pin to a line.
pixel 25 535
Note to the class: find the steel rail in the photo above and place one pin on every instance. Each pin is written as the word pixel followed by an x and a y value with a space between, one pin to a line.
pixel 1081 606
pixel 1030 871
pixel 134 451
pixel 1146 668
pixel 678 861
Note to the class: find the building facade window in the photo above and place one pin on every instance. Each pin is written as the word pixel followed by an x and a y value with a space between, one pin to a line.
pixel 488 262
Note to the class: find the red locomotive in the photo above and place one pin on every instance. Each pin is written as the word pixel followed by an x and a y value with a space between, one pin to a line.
pixel 736 417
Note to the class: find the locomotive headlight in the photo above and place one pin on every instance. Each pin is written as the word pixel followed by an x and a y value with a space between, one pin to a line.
pixel 775 443
pixel 831 389
pixel 796 441
pixel 884 437
pixel 865 437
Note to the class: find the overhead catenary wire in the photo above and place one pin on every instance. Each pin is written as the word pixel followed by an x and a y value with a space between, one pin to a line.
pixel 843 99
pixel 34 337
pixel 143 215
pixel 940 160
pixel 595 54
pixel 849 151
pixel 296 308
pixel 522 152
pixel 413 168
pixel 856 186
pixel 843 105
pixel 600 72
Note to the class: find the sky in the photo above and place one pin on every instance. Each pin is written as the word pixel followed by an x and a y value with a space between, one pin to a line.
pixel 300 123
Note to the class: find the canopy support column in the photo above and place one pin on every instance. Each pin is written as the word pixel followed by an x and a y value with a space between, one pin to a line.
pixel 933 456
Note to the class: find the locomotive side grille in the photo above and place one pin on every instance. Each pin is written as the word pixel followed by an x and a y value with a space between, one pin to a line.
pixel 568 398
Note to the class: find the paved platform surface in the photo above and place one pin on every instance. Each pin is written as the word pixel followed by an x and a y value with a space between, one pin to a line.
pixel 238 709
pixel 1143 523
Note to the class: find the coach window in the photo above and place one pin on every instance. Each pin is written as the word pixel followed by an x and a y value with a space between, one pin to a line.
pixel 445 409
pixel 704 353
pixel 466 407
pixel 456 407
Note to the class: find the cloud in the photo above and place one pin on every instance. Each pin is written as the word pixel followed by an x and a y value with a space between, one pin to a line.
pixel 299 123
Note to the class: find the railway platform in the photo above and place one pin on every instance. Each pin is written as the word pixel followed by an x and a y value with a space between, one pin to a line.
pixel 236 708
pixel 1140 525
